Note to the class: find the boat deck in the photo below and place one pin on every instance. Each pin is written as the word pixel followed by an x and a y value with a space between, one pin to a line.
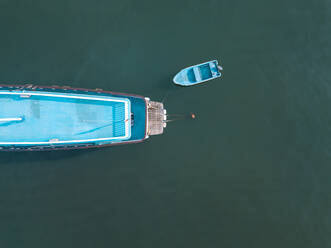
pixel 41 119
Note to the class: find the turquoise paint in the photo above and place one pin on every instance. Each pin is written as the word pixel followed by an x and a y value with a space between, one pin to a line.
pixel 198 73
pixel 56 118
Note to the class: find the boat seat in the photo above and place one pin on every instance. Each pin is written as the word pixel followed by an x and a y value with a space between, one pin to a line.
pixel 197 74
pixel 213 69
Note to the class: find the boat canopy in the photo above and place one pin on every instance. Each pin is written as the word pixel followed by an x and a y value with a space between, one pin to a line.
pixel 41 118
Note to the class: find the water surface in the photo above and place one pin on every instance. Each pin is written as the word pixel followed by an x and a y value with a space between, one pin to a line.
pixel 253 169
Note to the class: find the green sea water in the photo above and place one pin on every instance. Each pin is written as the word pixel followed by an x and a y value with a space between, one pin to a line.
pixel 252 170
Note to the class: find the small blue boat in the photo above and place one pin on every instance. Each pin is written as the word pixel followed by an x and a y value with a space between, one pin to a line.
pixel 197 74
pixel 34 118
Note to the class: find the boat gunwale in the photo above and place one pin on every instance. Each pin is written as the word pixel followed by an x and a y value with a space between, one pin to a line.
pixel 57 87
pixel 63 147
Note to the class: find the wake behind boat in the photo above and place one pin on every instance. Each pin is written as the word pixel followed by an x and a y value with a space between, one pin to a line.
pixel 197 74
pixel 49 118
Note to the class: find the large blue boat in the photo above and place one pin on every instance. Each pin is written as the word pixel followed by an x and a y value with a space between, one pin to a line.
pixel 48 118
pixel 197 74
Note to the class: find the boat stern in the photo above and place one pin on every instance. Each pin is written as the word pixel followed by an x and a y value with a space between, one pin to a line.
pixel 156 118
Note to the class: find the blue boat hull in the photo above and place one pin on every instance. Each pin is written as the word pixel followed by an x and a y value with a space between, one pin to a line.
pixel 198 74
pixel 49 118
